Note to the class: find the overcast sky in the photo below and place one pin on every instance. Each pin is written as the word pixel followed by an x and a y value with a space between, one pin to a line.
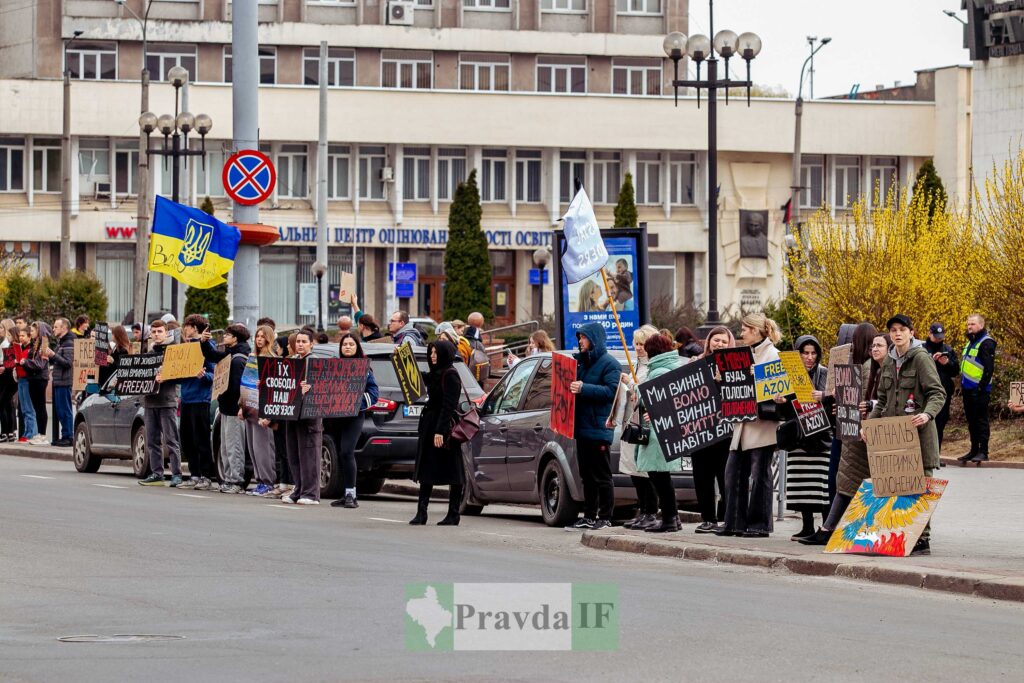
pixel 873 41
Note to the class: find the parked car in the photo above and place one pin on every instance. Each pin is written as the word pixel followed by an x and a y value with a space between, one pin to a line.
pixel 517 458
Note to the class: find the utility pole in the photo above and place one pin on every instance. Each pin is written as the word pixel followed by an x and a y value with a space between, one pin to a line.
pixel 65 166
pixel 796 187
pixel 321 193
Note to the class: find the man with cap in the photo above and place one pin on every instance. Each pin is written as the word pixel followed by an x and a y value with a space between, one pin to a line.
pixel 945 362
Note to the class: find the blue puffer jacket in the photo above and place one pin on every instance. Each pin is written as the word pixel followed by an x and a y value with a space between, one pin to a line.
pixel 599 373
pixel 199 389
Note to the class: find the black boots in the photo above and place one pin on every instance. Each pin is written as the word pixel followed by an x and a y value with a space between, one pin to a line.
pixel 819 537
pixel 454 502
pixel 421 505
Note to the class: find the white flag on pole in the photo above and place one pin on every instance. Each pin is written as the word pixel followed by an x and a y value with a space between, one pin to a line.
pixel 585 253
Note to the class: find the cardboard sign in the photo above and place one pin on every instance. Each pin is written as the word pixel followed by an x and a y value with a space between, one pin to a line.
pixel 837 355
pixel 563 401
pixel 736 385
pixel 136 375
pixel 811 417
pixel 770 380
pixel 621 404
pixel 336 385
pixel 84 367
pixel 685 409
pixel 410 381
pixel 1017 394
pixel 894 456
pixel 848 389
pixel 102 344
pixel 136 347
pixel 10 358
pixel 182 361
pixel 874 525
pixel 248 389
pixel 221 376
pixel 799 381
pixel 280 396
pixel 348 287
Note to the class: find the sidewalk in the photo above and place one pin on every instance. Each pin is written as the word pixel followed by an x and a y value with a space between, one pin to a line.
pixel 976 549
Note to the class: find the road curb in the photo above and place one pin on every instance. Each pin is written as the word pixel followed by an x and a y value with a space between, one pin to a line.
pixel 859 568
pixel 998 464
pixel 38 452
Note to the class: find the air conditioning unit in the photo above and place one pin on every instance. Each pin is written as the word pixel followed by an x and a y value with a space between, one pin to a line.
pixel 400 13
pixel 102 191
pixel 387 175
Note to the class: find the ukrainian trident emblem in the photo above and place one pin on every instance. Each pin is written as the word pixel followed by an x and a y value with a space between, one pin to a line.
pixel 197 242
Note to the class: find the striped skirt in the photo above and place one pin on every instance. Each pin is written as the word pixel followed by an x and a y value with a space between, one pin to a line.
pixel 806 481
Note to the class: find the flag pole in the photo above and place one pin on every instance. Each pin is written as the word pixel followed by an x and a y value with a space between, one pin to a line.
pixel 615 314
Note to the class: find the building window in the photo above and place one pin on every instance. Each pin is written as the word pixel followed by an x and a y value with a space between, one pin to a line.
pixel 572 166
pixel 338 159
pixel 209 176
pixel 812 180
pixel 93 165
pixel 12 165
pixel 648 178
pixel 161 58
pixel 492 185
pixel 562 74
pixel 638 7
pixel 126 168
pixel 406 70
pixel 451 170
pixel 661 281
pixel 847 181
pixel 341 67
pixel 371 169
pixel 486 4
pixel 46 165
pixel 607 174
pixel 93 61
pixel 292 162
pixel 483 72
pixel 268 65
pixel 115 269
pixel 883 175
pixel 528 176
pixel 416 173
pixel 564 5
pixel 683 174
pixel 636 77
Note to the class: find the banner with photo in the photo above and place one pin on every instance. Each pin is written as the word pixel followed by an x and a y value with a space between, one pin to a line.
pixel 587 301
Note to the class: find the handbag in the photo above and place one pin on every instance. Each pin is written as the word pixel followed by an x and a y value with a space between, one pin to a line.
pixel 787 435
pixel 467 423
pixel 637 433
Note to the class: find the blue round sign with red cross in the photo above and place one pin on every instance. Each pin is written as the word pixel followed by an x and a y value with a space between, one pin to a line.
pixel 249 177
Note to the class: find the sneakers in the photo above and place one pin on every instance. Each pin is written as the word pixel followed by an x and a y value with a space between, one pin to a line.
pixel 153 480
pixel 705 528
pixel 349 501
pixel 39 440
pixel 188 484
pixel 287 500
pixel 307 501
pixel 601 524
pixel 231 488
pixel 581 523
pixel 175 481
pixel 62 443
pixel 203 484
pixel 281 490
pixel 262 491
pixel 22 440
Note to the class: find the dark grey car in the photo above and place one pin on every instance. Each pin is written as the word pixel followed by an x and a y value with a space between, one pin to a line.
pixel 517 458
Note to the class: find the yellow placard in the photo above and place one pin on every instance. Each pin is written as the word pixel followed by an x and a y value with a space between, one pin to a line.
pixel 799 381
pixel 182 361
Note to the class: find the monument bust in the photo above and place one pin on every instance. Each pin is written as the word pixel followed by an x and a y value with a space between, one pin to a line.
pixel 753 234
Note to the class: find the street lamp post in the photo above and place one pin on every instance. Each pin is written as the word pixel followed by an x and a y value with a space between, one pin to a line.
pixel 65 164
pixel 541 257
pixel 700 49
pixel 794 198
pixel 319 269
pixel 176 129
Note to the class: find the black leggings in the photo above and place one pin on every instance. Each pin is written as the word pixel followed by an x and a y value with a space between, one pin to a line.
pixel 708 468
pixel 835 515
pixel 646 496
pixel 662 482
pixel 346 436
pixel 8 416
pixel 37 390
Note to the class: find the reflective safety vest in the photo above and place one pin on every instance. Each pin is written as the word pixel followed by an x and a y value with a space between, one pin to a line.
pixel 971 370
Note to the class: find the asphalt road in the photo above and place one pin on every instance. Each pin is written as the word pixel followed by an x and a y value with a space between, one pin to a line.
pixel 265 592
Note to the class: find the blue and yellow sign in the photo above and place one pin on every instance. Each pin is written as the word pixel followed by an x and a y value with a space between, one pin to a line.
pixel 190 245
pixel 771 380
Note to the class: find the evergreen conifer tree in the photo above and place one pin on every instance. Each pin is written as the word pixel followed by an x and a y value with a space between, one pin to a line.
pixel 213 302
pixel 929 188
pixel 625 210
pixel 467 264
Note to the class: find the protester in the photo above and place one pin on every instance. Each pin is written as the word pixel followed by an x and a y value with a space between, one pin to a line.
pixel 650 457
pixel 39 376
pixel 174 331
pixel 120 345
pixel 474 331
pixel 259 439
pixel 539 342
pixel 304 441
pixel 709 462
pixel 369 329
pixel 232 431
pixel 348 429
pixel 860 338
pixel 62 360
pixel 597 378
pixel 81 329
pixel 196 395
pixel 403 331
pixel 479 362
pixel 447 332
pixel 748 505
pixel 8 383
pixel 977 366
pixel 946 363
pixel 159 415
pixel 344 325
pixel 687 343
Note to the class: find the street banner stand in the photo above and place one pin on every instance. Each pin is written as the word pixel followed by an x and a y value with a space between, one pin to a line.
pixel 736 374
pixel 563 401
pixel 335 387
pixel 848 390
pixel 685 409
pixel 280 395
pixel 410 381
pixel 136 375
pixel 891 526
pixel 894 456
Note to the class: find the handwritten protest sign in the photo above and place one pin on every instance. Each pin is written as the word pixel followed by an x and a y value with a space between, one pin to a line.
pixel 880 525
pixel 136 375
pixel 563 401
pixel 248 389
pixel 799 381
pixel 280 396
pixel 136 347
pixel 1017 394
pixel 770 380
pixel 848 388
pixel 685 409
pixel 837 355
pixel 410 381
pixel 102 345
pixel 347 288
pixel 735 367
pixel 894 456
pixel 811 418
pixel 335 387
pixel 84 364
pixel 221 376
pixel 182 361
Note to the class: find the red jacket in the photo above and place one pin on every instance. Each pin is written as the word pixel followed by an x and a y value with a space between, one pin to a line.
pixel 20 353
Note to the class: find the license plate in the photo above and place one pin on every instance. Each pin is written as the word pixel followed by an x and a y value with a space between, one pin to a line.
pixel 412 411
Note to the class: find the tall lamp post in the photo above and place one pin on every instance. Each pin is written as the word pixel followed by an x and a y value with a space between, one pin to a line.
pixel 319 269
pixel 794 199
pixel 65 164
pixel 541 257
pixel 701 49
pixel 176 129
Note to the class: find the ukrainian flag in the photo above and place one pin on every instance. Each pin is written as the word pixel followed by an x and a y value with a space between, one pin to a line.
pixel 191 245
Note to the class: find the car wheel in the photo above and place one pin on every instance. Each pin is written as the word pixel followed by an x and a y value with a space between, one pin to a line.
pixel 331 485
pixel 85 459
pixel 370 485
pixel 140 463
pixel 556 503
pixel 467 506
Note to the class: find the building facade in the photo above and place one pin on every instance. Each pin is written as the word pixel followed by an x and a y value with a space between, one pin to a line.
pixel 530 94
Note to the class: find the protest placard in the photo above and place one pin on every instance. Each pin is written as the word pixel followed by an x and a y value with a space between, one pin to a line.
pixel 347 288
pixel 735 368
pixel 136 347
pixel 248 389
pixel 84 367
pixel 221 376
pixel 811 418
pixel 280 393
pixel 10 358
pixel 102 345
pixel 335 387
pixel 894 456
pixel 685 409
pixel 848 388
pixel 410 381
pixel 182 361
pixel 563 401
pixel 837 355
pixel 1017 394
pixel 799 381
pixel 770 380
pixel 136 375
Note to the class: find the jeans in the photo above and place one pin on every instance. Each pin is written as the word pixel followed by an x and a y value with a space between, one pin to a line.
pixel 195 440
pixel 62 424
pixel 708 468
pixel 347 436
pixel 594 460
pixel 304 439
pixel 232 450
pixel 260 442
pixel 27 410
pixel 162 430
pixel 749 508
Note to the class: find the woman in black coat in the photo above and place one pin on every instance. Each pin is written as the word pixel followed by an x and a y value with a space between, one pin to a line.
pixel 438 459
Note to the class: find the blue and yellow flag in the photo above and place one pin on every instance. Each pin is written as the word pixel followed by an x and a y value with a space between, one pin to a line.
pixel 191 245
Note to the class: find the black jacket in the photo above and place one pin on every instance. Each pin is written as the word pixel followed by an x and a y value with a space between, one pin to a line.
pixel 228 401
pixel 444 388
pixel 63 361
pixel 948 372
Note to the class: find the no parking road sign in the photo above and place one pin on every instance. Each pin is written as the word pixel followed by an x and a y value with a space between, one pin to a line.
pixel 249 177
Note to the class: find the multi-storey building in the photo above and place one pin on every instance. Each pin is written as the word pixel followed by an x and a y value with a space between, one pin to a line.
pixel 530 93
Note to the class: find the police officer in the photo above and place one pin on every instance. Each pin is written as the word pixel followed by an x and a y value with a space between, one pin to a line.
pixel 945 362
pixel 976 369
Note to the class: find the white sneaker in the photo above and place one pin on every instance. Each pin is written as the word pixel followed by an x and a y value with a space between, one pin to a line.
pixel 287 500
pixel 307 501
pixel 39 440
